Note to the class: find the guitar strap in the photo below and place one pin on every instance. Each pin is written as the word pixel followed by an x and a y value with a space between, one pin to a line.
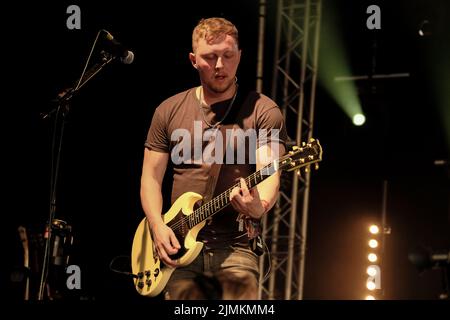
pixel 215 168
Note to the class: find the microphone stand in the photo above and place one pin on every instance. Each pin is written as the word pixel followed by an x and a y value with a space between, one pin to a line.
pixel 61 111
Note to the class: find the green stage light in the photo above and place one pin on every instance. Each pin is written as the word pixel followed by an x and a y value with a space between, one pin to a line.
pixel 359 119
pixel 334 70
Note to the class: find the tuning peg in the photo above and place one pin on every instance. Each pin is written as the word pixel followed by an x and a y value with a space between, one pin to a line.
pixel 311 157
pixel 316 166
pixel 302 160
pixel 294 148
pixel 293 164
pixel 312 140
pixel 307 169
pixel 298 172
pixel 303 144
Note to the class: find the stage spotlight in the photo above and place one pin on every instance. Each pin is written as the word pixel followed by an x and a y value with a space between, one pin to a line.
pixel 359 119
pixel 371 285
pixel 374 229
pixel 373 243
pixel 372 271
pixel 370 297
pixel 372 257
pixel 335 71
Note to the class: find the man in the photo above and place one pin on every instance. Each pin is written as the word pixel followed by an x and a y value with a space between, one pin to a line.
pixel 184 119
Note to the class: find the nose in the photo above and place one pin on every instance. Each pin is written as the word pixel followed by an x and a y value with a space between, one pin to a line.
pixel 219 64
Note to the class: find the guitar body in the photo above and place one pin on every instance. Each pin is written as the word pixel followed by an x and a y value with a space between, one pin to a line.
pixel 152 274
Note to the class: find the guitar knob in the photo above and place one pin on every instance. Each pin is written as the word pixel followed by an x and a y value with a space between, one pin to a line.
pixel 140 275
pixel 140 285
pixel 148 282
pixel 147 273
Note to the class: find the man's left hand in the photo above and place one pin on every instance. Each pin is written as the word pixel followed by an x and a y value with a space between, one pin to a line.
pixel 247 201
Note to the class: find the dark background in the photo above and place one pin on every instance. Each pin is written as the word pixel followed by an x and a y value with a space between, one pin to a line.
pixel 98 191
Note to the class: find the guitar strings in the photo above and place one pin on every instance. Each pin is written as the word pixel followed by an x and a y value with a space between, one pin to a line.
pixel 178 225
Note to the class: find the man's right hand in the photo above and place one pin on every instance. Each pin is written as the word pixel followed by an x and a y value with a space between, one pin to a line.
pixel 166 242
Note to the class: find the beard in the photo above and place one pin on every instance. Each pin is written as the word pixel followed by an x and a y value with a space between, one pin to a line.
pixel 219 87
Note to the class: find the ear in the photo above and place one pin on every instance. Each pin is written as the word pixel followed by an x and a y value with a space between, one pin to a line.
pixel 193 60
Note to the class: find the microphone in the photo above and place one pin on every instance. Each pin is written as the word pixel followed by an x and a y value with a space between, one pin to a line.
pixel 119 50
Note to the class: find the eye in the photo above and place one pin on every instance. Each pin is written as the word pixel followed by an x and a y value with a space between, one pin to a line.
pixel 210 57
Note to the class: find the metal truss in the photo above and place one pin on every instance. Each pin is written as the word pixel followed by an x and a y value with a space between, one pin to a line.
pixel 293 88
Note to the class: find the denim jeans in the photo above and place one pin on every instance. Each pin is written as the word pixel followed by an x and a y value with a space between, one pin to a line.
pixel 234 262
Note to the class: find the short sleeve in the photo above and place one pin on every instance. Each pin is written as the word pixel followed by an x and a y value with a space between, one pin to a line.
pixel 271 127
pixel 157 136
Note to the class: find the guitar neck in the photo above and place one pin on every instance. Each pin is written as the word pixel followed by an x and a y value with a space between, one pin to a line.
pixel 299 157
pixel 223 200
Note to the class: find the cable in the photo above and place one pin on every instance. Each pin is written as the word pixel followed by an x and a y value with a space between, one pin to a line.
pixel 119 271
pixel 270 262
pixel 53 180
pixel 87 61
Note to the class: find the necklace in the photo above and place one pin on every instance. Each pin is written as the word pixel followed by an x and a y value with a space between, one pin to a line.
pixel 226 113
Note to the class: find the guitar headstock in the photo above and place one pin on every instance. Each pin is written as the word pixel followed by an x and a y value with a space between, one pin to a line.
pixel 303 156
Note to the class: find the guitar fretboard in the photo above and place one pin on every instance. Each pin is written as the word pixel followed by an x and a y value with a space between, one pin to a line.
pixel 222 200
